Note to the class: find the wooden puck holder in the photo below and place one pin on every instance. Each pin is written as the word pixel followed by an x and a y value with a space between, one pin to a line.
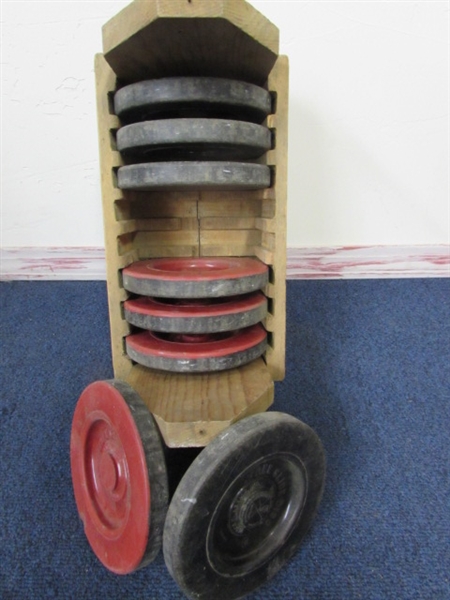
pixel 217 38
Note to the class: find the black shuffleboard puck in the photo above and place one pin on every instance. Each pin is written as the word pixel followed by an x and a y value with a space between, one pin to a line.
pixel 194 139
pixel 192 97
pixel 243 506
pixel 193 175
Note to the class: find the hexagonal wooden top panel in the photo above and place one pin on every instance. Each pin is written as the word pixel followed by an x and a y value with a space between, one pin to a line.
pixel 160 38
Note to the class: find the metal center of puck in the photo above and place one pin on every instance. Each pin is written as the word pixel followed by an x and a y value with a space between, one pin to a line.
pixel 252 505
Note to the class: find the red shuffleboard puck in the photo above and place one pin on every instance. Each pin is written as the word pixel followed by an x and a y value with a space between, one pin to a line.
pixel 119 475
pixel 187 353
pixel 195 277
pixel 210 315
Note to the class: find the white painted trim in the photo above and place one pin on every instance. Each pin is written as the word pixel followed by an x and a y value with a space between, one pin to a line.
pixel 75 263
pixel 368 262
pixel 376 262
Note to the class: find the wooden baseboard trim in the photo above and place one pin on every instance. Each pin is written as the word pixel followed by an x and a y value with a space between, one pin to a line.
pixel 352 262
pixel 369 262
pixel 57 263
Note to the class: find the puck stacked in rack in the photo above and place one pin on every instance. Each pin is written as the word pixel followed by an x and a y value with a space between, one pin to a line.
pixel 194 133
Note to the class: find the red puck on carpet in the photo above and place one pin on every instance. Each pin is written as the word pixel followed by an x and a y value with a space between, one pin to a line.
pixel 119 475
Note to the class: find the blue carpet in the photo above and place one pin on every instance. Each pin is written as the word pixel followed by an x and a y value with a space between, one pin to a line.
pixel 368 367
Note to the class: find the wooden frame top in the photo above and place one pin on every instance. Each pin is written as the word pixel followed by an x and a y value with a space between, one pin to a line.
pixel 159 38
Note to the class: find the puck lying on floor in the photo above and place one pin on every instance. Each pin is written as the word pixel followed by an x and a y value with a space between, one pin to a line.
pixel 205 277
pixel 188 353
pixel 252 495
pixel 194 139
pixel 117 462
pixel 192 97
pixel 188 175
pixel 196 316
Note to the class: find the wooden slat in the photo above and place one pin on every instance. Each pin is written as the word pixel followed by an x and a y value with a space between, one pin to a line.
pixel 246 237
pixel 122 227
pixel 270 290
pixel 164 205
pixel 168 251
pixel 122 210
pixel 229 243
pixel 268 208
pixel 158 224
pixel 125 243
pixel 161 239
pixel 228 250
pixel 191 409
pixel 268 225
pixel 269 323
pixel 168 224
pixel 264 255
pixel 268 241
pixel 229 206
pixel 224 223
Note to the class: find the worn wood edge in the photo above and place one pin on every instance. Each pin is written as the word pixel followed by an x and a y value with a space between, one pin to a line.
pixel 273 238
pixel 109 160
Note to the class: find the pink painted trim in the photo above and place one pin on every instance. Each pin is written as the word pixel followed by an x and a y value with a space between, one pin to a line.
pixel 52 263
pixel 343 262
pixel 368 262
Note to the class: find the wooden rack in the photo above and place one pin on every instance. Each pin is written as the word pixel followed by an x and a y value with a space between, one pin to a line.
pixel 220 38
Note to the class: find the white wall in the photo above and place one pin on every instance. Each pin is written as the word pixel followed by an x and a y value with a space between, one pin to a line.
pixel 368 153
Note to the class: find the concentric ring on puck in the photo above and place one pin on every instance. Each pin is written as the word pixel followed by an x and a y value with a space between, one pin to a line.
pixel 257 487
pixel 188 175
pixel 188 353
pixel 194 139
pixel 196 316
pixel 119 475
pixel 192 97
pixel 204 277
